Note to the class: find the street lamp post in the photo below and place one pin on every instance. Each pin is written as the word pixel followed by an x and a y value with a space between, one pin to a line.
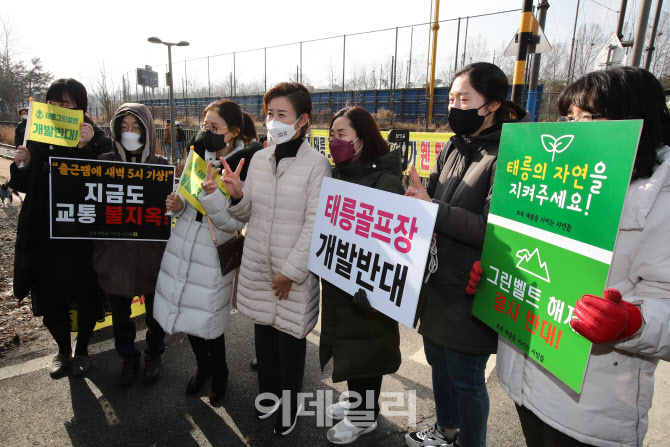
pixel 169 45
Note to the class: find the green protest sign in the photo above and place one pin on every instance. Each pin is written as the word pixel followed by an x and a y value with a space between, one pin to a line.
pixel 557 201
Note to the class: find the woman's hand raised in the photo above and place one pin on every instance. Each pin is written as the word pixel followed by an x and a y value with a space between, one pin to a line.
pixel 232 179
pixel 417 191
pixel 209 185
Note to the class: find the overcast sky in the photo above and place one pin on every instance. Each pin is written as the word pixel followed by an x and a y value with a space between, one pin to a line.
pixel 77 39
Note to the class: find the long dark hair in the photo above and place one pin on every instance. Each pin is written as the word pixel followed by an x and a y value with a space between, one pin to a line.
pixel 490 82
pixel 75 90
pixel 366 129
pixel 625 93
pixel 231 113
pixel 249 132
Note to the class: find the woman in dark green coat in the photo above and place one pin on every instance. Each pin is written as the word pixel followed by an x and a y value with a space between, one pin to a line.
pixel 363 343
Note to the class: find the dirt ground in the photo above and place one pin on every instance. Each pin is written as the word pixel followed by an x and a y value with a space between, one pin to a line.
pixel 17 324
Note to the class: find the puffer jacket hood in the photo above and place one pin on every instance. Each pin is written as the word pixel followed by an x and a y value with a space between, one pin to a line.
pixel 143 115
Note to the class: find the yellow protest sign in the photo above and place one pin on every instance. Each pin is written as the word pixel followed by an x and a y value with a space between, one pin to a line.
pixel 54 125
pixel 423 148
pixel 195 172
pixel 137 307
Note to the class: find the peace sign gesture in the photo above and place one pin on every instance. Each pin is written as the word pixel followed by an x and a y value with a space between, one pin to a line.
pixel 232 179
pixel 209 185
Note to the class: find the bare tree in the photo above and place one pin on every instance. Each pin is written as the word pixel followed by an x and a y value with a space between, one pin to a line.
pixel 106 96
pixel 17 81
pixel 590 39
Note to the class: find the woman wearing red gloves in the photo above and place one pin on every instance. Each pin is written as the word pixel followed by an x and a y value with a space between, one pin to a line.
pixel 630 335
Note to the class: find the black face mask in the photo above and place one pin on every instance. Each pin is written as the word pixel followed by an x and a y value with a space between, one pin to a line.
pixel 466 122
pixel 214 142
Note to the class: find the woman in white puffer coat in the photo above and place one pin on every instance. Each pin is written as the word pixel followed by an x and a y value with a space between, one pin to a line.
pixel 192 295
pixel 629 336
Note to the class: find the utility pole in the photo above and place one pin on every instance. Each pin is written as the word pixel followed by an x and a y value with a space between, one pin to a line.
pixel 652 38
pixel 572 46
pixel 535 67
pixel 640 32
pixel 622 17
pixel 434 27
pixel 525 36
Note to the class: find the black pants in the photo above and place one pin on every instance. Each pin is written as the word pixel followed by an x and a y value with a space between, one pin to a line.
pixel 539 434
pixel 57 320
pixel 210 355
pixel 125 331
pixel 368 409
pixel 281 362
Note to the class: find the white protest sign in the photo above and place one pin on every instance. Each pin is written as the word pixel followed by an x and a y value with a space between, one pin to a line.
pixel 373 240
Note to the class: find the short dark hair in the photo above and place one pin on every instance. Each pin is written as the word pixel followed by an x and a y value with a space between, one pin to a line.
pixel 72 88
pixel 625 93
pixel 249 131
pixel 491 82
pixel 299 97
pixel 231 113
pixel 366 129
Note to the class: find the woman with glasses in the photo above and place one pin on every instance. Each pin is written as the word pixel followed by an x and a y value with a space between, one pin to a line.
pixel 275 289
pixel 192 294
pixel 628 325
pixel 127 269
pixel 58 273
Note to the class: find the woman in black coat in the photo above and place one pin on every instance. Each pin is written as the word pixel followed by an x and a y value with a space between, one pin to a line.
pixel 363 343
pixel 58 273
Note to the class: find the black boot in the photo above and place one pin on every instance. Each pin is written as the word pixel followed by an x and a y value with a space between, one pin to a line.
pixel 217 351
pixel 201 352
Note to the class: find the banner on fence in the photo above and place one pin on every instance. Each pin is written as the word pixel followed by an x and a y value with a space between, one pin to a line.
pixel 95 199
pixel 423 147
pixel 362 241
pixel 557 201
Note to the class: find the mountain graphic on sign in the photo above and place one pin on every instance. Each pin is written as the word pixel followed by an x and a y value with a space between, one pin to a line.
pixel 531 263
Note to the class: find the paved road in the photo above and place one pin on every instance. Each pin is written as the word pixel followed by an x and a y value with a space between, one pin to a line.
pixel 38 411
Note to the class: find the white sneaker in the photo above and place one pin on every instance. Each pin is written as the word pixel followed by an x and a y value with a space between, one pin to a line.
pixel 338 411
pixel 344 432
pixel 429 437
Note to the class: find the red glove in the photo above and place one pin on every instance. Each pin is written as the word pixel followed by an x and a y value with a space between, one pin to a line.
pixel 606 319
pixel 475 277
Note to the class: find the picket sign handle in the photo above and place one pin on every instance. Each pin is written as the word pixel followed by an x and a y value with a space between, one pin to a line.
pixel 27 131
pixel 211 230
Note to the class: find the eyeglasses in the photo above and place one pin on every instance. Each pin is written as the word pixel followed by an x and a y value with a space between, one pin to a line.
pixel 134 129
pixel 584 116
pixel 212 128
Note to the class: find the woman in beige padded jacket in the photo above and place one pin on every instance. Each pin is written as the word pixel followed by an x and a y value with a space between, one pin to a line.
pixel 275 289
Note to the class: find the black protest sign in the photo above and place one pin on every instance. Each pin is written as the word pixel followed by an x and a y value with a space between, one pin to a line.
pixel 95 199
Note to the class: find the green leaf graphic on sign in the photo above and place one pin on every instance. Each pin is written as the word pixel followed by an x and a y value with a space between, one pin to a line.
pixel 536 268
pixel 552 144
pixel 39 114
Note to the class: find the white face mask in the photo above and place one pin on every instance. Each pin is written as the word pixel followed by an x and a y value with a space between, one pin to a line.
pixel 131 141
pixel 280 132
pixel 24 117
